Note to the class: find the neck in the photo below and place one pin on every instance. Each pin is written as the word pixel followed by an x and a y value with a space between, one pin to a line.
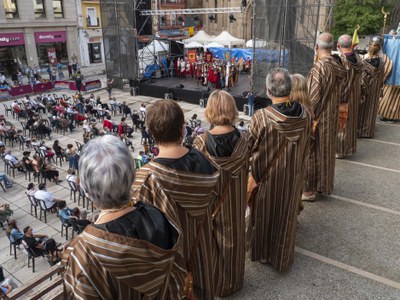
pixel 323 53
pixel 221 129
pixel 171 150
pixel 346 50
pixel 277 100
pixel 107 215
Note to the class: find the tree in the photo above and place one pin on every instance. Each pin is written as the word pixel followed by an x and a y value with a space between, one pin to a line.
pixel 347 14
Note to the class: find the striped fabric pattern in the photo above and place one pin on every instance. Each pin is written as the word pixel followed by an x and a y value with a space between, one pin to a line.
pixel 347 137
pixel 228 227
pixel 273 227
pixel 185 197
pixel 389 105
pixel 371 84
pixel 103 265
pixel 325 84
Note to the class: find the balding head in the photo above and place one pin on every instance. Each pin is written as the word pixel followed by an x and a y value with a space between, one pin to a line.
pixel 345 41
pixel 325 41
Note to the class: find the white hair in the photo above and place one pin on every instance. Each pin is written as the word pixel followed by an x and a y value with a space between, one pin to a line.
pixel 325 41
pixel 106 171
pixel 278 82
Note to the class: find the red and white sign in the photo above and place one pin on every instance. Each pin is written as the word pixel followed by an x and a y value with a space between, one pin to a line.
pixel 50 37
pixel 11 39
pixel 51 53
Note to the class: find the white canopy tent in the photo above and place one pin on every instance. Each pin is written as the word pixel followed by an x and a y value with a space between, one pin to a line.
pixel 148 53
pixel 214 45
pixel 200 37
pixel 194 45
pixel 226 39
pixel 258 43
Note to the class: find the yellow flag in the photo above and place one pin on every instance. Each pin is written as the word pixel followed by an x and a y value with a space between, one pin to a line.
pixel 355 40
pixel 191 31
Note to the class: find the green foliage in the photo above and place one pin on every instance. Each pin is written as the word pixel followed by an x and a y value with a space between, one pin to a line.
pixel 347 14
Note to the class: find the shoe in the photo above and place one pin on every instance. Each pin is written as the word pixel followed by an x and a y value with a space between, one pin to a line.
pixel 310 198
pixel 384 120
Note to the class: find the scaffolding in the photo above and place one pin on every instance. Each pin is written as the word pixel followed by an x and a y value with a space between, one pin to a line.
pixel 290 29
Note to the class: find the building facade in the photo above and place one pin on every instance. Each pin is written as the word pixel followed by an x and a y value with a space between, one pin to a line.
pixel 37 32
pixel 90 32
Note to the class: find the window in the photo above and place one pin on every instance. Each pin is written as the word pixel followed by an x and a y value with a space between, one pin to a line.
pixel 58 9
pixel 92 20
pixel 38 8
pixel 10 6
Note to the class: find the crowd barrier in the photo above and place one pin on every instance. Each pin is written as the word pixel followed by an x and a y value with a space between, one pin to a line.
pixel 7 92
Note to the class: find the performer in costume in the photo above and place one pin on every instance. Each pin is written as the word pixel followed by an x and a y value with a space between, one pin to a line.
pixel 325 85
pixel 278 139
pixel 373 70
pixel 224 146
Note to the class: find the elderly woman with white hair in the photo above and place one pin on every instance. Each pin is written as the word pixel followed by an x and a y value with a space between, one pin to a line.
pixel 129 251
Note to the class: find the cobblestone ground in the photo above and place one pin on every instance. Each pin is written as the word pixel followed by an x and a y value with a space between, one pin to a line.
pixel 347 243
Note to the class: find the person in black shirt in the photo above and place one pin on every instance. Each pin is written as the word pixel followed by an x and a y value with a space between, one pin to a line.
pixel 35 242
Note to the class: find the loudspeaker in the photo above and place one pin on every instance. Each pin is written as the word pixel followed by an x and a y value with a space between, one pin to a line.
pixel 246 109
pixel 134 91
pixel 203 102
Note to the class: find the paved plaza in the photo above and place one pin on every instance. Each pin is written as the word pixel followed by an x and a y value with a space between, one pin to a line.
pixel 347 244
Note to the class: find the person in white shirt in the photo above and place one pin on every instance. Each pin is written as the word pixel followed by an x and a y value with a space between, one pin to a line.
pixel 242 127
pixel 71 176
pixel 48 198
pixel 13 159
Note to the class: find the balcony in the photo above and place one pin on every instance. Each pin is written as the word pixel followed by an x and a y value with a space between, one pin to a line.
pixel 90 23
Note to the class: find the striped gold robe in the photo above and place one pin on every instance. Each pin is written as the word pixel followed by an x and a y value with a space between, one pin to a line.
pixel 228 227
pixel 371 85
pixel 281 140
pixel 325 84
pixel 389 104
pixel 347 137
pixel 103 265
pixel 184 196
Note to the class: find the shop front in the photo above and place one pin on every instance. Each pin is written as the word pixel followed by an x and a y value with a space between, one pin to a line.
pixel 12 53
pixel 51 47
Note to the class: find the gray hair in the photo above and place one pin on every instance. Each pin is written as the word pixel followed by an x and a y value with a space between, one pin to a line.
pixel 345 41
pixel 278 82
pixel 106 172
pixel 83 214
pixel 325 41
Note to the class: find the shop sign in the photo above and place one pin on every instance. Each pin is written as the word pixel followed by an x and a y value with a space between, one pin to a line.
pixel 50 37
pixel 11 39
pixel 94 39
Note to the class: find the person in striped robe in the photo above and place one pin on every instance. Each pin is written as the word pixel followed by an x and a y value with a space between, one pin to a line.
pixel 130 250
pixel 389 104
pixel 373 70
pixel 278 137
pixel 349 101
pixel 181 183
pixel 325 84
pixel 225 146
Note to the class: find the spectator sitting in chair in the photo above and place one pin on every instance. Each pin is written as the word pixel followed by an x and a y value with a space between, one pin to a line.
pixel 31 189
pixel 143 157
pixel 64 212
pixel 15 234
pixel 71 176
pixel 35 242
pixel 6 285
pixel 82 222
pixel 136 120
pixel 108 124
pixel 7 182
pixel 14 160
pixel 48 198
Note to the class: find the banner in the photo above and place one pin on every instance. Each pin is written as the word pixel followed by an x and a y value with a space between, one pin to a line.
pixel 61 85
pixel 51 53
pixel 192 56
pixel 191 31
pixel 42 87
pixel 92 85
pixel 21 90
pixel 4 94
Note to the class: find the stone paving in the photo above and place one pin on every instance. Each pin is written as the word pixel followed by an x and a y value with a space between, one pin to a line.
pixel 347 243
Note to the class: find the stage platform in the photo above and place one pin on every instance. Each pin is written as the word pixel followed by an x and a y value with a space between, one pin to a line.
pixel 187 89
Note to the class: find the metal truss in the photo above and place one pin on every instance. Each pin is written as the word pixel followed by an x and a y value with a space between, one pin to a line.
pixel 193 11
